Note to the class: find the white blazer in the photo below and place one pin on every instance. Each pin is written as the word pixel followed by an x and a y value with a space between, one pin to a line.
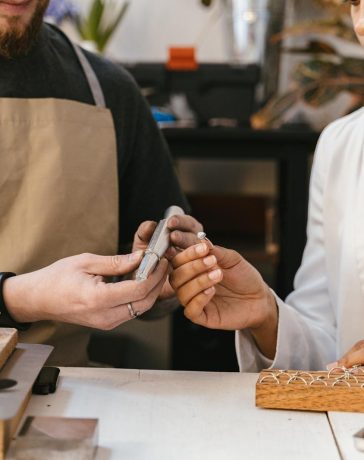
pixel 324 315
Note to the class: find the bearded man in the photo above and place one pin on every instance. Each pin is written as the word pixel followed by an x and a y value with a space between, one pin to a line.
pixel 20 23
pixel 82 165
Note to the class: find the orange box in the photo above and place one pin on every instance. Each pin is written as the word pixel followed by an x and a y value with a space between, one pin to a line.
pixel 182 58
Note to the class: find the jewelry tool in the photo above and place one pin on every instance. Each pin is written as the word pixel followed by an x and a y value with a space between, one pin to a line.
pixel 158 245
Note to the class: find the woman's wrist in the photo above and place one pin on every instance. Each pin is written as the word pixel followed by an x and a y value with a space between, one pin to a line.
pixel 265 335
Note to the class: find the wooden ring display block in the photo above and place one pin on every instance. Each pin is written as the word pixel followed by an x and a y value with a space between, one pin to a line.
pixel 341 391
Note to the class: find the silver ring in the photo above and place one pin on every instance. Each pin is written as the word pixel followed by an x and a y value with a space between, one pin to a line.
pixel 202 237
pixel 302 373
pixel 281 373
pixel 348 375
pixel 133 314
pixel 270 376
pixel 318 380
pixel 296 378
pixel 355 368
pixel 150 251
pixel 332 371
pixel 339 381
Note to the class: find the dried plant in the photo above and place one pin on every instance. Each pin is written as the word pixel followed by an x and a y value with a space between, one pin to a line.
pixel 324 75
pixel 331 3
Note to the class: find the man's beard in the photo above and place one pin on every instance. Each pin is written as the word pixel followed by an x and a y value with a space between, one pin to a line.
pixel 19 39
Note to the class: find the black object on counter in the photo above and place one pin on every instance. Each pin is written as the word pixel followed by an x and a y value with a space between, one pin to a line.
pixel 213 91
pixel 46 381
pixel 5 384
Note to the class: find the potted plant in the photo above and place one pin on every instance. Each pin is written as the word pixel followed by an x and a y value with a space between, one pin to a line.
pixel 97 27
pixel 102 20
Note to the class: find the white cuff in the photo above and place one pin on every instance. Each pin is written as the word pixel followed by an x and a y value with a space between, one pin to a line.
pixel 297 345
pixel 250 358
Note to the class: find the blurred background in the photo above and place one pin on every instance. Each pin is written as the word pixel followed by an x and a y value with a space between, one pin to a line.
pixel 241 89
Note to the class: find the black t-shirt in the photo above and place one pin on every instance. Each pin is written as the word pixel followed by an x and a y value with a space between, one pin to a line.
pixel 147 182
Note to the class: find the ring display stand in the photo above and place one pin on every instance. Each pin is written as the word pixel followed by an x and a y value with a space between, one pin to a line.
pixel 339 389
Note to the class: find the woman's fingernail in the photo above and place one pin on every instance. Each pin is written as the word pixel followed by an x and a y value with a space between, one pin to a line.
pixel 214 275
pixel 210 260
pixel 134 256
pixel 209 291
pixel 201 248
pixel 331 365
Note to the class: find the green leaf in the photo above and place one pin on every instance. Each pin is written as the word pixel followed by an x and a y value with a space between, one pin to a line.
pixel 91 25
pixel 93 28
pixel 110 29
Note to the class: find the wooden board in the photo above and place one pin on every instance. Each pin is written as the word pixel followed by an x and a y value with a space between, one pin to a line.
pixel 8 341
pixel 310 391
pixel 23 366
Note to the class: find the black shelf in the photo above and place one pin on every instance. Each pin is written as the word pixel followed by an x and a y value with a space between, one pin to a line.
pixel 196 348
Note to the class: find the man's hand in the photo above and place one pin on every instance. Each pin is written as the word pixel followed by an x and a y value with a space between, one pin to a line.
pixel 184 229
pixel 221 290
pixel 73 290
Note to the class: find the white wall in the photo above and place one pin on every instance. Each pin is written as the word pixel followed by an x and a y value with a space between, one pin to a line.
pixel 151 26
pixel 147 30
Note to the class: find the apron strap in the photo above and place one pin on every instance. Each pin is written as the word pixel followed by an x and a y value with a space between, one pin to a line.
pixel 92 79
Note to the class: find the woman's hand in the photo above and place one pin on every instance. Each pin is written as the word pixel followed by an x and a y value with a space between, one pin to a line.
pixel 355 356
pixel 73 290
pixel 184 229
pixel 221 290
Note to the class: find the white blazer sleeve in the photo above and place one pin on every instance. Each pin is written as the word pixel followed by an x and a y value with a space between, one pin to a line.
pixel 307 324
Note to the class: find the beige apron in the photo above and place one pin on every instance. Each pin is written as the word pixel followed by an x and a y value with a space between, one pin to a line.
pixel 58 194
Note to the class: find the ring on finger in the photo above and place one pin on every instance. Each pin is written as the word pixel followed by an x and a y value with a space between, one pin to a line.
pixel 133 314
